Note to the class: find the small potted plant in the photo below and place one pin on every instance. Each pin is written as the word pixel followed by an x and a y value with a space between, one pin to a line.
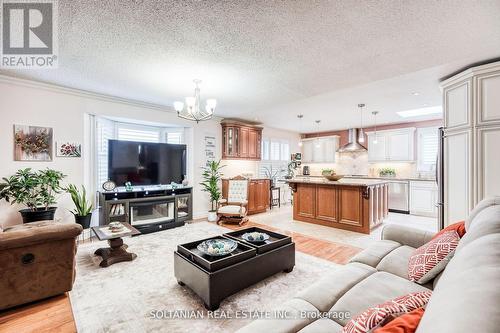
pixel 387 172
pixel 34 189
pixel 211 178
pixel 83 208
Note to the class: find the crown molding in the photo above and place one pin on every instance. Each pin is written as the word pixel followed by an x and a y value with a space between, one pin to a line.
pixel 82 93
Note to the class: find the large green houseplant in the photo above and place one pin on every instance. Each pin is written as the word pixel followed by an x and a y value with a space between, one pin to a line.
pixel 83 208
pixel 211 179
pixel 36 190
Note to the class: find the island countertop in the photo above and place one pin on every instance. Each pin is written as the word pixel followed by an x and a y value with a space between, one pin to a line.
pixel 341 182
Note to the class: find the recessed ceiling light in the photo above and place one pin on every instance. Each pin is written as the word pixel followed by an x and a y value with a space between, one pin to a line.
pixel 420 112
pixel 425 104
pixel 415 93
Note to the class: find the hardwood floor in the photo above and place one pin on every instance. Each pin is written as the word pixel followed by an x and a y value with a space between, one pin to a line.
pixel 337 253
pixel 54 315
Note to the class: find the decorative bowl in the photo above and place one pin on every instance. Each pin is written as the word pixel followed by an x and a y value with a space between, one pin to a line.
pixel 217 247
pixel 116 226
pixel 333 177
pixel 255 237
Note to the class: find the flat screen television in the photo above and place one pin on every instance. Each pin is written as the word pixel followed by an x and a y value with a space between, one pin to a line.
pixel 143 163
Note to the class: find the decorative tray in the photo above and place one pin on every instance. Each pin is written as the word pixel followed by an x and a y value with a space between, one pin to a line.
pixel 274 241
pixel 191 252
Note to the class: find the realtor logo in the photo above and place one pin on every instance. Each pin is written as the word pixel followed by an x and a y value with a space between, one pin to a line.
pixel 29 34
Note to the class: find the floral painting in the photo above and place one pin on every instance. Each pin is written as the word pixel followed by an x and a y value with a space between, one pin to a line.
pixel 32 143
pixel 68 149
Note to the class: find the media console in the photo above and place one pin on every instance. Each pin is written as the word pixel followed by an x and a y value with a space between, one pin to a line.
pixel 147 208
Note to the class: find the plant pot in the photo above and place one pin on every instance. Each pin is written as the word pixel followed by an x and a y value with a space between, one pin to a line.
pixel 84 221
pixel 40 214
pixel 212 216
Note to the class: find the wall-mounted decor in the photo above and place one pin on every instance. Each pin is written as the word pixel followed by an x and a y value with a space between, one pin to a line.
pixel 68 149
pixel 32 143
pixel 210 145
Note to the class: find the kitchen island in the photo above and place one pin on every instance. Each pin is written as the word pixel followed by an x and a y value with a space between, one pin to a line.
pixel 350 204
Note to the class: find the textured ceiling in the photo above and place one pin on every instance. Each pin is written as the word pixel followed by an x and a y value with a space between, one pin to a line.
pixel 269 60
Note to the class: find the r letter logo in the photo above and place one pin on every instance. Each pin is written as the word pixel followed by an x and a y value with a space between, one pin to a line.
pixel 29 34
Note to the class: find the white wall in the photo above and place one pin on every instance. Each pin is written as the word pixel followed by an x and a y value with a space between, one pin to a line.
pixel 29 103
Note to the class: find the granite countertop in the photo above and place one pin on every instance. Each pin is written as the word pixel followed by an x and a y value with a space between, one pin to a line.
pixel 381 178
pixel 341 182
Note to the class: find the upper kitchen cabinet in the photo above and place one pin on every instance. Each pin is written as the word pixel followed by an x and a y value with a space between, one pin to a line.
pixel 392 145
pixel 488 103
pixel 458 105
pixel 320 150
pixel 241 141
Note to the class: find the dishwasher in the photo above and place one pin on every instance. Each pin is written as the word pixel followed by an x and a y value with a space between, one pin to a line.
pixel 399 196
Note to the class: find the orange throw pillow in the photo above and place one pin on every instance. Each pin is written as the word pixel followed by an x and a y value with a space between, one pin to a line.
pixel 406 323
pixel 459 227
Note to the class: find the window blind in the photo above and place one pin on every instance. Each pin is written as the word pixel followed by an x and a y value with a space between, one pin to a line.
pixel 427 148
pixel 104 131
pixel 175 137
pixel 141 134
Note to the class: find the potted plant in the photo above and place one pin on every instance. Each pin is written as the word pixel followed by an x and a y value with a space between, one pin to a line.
pixel 272 175
pixel 83 208
pixel 211 178
pixel 387 172
pixel 36 190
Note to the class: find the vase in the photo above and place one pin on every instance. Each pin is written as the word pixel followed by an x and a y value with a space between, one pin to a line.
pixel 39 214
pixel 84 221
pixel 212 216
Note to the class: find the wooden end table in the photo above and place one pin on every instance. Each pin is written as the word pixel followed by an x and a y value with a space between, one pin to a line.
pixel 117 250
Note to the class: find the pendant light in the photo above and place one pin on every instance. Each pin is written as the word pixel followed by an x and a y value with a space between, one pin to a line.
pixel 361 136
pixel 375 113
pixel 318 144
pixel 300 116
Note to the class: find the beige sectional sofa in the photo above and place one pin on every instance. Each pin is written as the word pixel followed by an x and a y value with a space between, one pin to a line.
pixel 465 298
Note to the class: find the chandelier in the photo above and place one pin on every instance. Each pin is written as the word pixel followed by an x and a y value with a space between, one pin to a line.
pixel 192 109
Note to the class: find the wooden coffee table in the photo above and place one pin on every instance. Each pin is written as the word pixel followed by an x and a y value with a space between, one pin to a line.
pixel 117 250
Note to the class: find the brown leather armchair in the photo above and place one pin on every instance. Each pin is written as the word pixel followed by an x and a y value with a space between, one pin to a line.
pixel 37 260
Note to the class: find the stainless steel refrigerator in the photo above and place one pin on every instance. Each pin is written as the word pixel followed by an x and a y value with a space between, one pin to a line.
pixel 440 178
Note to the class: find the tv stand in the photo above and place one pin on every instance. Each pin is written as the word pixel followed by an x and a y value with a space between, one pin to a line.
pixel 148 208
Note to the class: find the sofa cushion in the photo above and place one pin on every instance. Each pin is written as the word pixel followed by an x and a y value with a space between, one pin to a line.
pixel 485 222
pixel 459 227
pixel 430 259
pixel 485 203
pixel 294 323
pixel 324 293
pixel 467 297
pixel 373 254
pixel 375 289
pixel 377 315
pixel 396 262
pixel 322 325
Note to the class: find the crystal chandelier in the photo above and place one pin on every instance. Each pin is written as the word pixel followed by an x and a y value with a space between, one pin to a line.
pixel 193 110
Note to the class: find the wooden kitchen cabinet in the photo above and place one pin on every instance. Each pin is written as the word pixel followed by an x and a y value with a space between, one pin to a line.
pixel 240 141
pixel 258 194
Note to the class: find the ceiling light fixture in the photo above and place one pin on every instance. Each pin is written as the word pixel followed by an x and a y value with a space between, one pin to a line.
pixel 420 112
pixel 193 110
pixel 416 93
pixel 318 144
pixel 375 140
pixel 300 116
pixel 361 136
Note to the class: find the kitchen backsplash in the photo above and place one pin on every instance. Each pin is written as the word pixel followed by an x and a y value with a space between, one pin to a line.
pixel 357 164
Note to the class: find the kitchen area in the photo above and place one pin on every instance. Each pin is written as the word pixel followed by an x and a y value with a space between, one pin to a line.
pixel 402 155
pixel 385 172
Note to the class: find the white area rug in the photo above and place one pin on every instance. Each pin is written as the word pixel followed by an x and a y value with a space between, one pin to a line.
pixel 120 298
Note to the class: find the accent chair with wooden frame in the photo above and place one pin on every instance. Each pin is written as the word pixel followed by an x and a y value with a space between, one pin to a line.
pixel 233 207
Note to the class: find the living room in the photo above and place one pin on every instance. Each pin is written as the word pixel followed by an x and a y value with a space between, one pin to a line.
pixel 243 166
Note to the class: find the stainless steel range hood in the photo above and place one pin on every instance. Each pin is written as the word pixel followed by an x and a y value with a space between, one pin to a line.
pixel 353 146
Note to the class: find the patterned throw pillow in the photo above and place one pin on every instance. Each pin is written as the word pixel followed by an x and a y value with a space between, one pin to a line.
pixel 459 227
pixel 430 259
pixel 374 317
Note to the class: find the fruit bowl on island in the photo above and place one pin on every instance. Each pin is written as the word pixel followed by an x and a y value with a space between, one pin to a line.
pixel 331 175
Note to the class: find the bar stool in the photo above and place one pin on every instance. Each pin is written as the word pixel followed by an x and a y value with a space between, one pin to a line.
pixel 275 197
